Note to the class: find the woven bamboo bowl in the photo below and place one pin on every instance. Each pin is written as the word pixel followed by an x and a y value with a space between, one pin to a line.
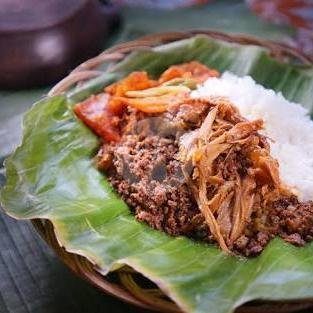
pixel 125 283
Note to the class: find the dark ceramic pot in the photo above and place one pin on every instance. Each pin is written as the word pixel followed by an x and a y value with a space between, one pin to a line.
pixel 41 41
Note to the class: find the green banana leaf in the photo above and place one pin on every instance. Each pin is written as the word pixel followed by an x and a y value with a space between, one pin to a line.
pixel 51 175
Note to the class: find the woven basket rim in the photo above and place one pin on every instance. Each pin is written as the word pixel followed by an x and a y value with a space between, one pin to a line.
pixel 88 70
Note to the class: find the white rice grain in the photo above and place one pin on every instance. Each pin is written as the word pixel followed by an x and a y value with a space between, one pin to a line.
pixel 288 124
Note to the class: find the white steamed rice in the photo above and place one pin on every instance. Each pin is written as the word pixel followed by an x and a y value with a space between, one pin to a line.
pixel 286 123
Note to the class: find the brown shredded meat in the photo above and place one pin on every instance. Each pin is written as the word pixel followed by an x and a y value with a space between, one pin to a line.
pixel 195 167
pixel 233 173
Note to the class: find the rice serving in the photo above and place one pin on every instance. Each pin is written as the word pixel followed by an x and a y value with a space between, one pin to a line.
pixel 286 124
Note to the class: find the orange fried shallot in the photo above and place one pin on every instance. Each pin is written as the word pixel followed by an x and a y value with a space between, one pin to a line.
pixel 193 69
pixel 140 92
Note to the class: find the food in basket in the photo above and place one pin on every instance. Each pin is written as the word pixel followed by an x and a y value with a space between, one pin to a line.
pixel 53 176
pixel 216 158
